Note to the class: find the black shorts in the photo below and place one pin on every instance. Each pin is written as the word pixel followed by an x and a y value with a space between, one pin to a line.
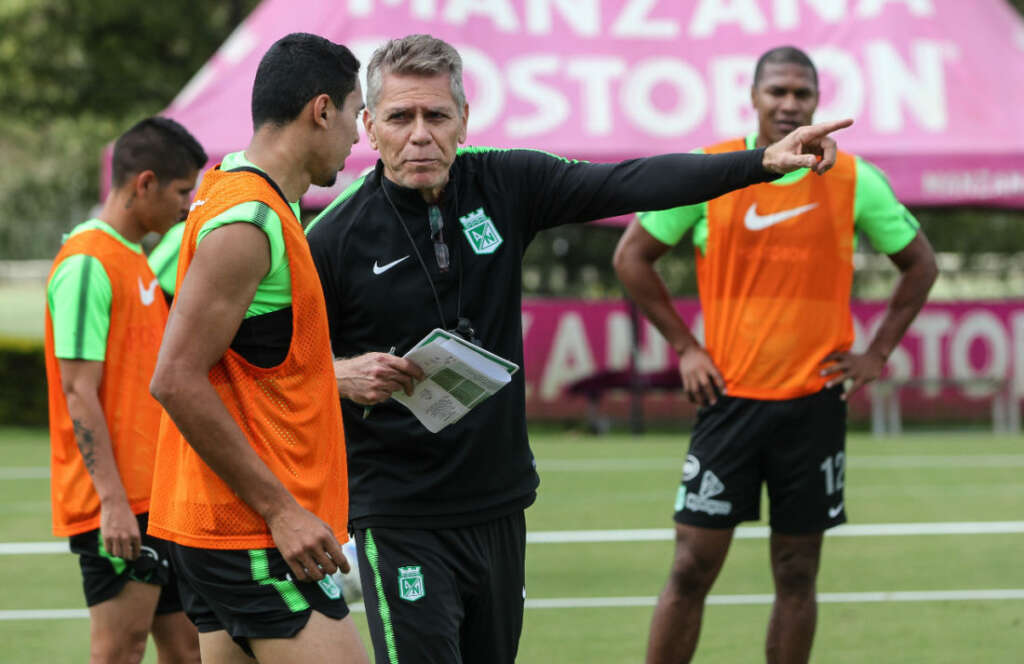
pixel 445 596
pixel 250 593
pixel 796 446
pixel 104 575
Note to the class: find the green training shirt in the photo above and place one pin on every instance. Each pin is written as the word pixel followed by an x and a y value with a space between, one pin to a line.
pixel 163 260
pixel 275 290
pixel 79 297
pixel 888 225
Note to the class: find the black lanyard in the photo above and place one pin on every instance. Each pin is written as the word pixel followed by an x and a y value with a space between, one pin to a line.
pixel 464 328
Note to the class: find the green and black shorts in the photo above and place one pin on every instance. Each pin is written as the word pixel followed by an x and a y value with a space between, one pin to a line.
pixel 250 593
pixel 104 575
pixel 797 447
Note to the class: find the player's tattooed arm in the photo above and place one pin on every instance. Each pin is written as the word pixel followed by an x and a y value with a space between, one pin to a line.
pixel 86 445
pixel 80 381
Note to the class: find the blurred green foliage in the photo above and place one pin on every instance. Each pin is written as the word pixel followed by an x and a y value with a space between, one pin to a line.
pixel 109 57
pixel 973 230
pixel 23 391
pixel 54 181
pixel 73 75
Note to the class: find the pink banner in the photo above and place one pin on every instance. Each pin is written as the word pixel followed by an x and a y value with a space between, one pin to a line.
pixel 566 340
pixel 936 86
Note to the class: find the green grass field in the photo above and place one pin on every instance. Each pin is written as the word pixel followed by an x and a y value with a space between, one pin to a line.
pixel 619 482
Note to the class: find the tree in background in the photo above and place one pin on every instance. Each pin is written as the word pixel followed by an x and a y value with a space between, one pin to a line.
pixel 75 74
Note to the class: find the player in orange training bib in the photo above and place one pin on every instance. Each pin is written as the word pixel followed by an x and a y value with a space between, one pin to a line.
pixel 774 269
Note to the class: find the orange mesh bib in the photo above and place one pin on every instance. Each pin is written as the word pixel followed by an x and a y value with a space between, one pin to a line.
pixel 775 280
pixel 289 413
pixel 137 322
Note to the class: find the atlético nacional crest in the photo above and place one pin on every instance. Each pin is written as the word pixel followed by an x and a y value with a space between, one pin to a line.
pixel 480 231
pixel 410 583
pixel 329 587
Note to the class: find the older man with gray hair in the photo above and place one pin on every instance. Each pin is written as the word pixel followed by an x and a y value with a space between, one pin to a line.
pixel 434 237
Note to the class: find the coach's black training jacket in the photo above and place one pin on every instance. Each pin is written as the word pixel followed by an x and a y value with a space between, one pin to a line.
pixel 481 467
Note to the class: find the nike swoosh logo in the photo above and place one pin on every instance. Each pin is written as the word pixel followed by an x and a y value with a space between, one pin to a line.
pixel 147 294
pixel 381 269
pixel 833 512
pixel 758 222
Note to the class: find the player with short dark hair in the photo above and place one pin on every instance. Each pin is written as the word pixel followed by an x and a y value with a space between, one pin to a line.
pixel 295 69
pixel 774 268
pixel 164 256
pixel 784 55
pixel 250 477
pixel 156 144
pixel 103 328
pixel 434 237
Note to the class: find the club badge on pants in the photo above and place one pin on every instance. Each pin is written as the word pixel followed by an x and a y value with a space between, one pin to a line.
pixel 410 583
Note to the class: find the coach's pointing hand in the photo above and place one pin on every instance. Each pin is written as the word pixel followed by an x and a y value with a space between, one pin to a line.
pixel 802 147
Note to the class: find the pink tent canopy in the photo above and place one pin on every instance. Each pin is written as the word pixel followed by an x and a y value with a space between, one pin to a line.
pixel 936 86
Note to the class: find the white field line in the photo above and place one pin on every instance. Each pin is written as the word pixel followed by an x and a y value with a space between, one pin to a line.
pixel 618 602
pixel 662 463
pixel 33 548
pixel 25 473
pixel 762 532
pixel 877 461
pixel 825 598
pixel 667 534
pixel 43 614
